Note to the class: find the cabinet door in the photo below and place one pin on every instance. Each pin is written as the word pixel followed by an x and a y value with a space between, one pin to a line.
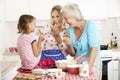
pixel 1 9
pixel 40 9
pixel 110 70
pixel 116 72
pixel 10 74
pixel 15 8
pixel 113 70
pixel 114 8
pixel 91 9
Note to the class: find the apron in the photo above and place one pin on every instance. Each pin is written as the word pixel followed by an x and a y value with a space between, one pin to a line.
pixel 54 54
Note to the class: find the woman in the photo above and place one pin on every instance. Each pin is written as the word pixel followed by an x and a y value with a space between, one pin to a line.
pixel 83 41
pixel 54 47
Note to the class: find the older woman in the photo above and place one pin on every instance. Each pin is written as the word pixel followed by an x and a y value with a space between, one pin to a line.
pixel 83 38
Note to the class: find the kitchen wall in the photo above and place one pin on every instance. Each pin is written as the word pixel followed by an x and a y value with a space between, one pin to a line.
pixel 2 39
pixel 106 27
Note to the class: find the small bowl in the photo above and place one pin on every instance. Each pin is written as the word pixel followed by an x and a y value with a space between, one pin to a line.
pixel 39 71
pixel 73 69
pixel 61 64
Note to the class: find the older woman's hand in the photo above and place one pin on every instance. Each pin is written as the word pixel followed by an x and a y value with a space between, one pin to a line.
pixel 66 40
pixel 61 65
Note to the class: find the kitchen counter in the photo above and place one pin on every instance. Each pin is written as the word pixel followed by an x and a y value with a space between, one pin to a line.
pixel 65 76
pixel 116 49
pixel 8 67
pixel 116 53
pixel 12 57
pixel 110 54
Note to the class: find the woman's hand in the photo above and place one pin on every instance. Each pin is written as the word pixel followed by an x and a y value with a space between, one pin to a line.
pixel 56 30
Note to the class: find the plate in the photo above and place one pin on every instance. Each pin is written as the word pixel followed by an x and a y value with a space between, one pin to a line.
pixel 40 71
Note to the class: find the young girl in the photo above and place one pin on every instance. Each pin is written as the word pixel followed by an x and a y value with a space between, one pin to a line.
pixel 28 47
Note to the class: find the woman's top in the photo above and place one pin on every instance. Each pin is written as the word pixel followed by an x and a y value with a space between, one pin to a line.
pixel 89 38
pixel 24 46
pixel 50 41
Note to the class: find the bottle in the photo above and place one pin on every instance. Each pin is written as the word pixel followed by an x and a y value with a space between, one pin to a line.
pixel 115 41
pixel 112 40
pixel 84 69
pixel 81 70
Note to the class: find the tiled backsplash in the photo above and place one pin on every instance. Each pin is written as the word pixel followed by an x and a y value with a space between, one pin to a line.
pixel 105 27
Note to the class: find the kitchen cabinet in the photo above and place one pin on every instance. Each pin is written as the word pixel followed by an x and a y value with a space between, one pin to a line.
pixel 111 64
pixel 1 9
pixel 114 70
pixel 12 57
pixel 0 13
pixel 40 9
pixel 0 71
pixel 113 8
pixel 8 70
pixel 91 9
pixel 15 8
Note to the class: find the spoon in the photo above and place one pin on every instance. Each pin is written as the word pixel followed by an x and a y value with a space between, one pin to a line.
pixel 81 56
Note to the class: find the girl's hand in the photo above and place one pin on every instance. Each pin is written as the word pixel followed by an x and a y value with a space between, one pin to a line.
pixel 41 37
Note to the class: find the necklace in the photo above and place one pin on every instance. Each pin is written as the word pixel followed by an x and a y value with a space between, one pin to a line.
pixel 77 33
pixel 78 43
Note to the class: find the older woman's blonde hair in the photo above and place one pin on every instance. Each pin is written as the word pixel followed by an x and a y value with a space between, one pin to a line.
pixel 73 10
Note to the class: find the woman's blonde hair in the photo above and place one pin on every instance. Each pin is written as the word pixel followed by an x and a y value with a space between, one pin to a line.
pixel 73 10
pixel 23 23
pixel 56 8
